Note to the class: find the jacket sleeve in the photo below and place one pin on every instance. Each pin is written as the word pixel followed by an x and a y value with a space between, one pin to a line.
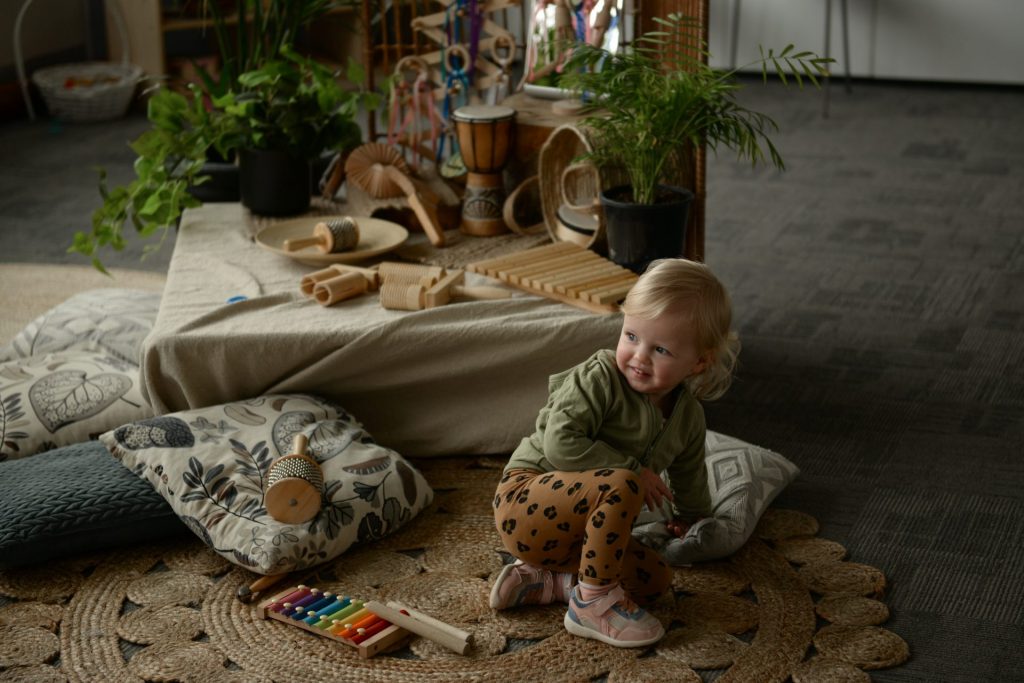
pixel 688 477
pixel 576 410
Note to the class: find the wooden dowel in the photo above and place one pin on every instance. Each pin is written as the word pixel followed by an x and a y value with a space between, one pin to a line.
pixel 424 625
pixel 249 593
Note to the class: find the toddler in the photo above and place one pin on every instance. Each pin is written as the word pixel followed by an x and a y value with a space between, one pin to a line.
pixel 569 495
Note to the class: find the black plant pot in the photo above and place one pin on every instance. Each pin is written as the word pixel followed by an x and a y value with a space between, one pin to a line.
pixel 222 185
pixel 640 233
pixel 273 183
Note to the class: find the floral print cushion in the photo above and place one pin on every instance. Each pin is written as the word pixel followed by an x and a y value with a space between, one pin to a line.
pixel 110 320
pixel 57 399
pixel 211 465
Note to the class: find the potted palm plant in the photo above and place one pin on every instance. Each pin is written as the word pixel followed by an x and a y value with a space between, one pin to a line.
pixel 651 106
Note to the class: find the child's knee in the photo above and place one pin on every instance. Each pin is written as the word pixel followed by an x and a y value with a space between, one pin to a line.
pixel 619 485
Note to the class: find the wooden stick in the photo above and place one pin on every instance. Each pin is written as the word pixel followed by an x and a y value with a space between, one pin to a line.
pixel 424 625
pixel 251 592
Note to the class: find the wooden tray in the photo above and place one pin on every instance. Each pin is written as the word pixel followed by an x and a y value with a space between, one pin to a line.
pixel 376 236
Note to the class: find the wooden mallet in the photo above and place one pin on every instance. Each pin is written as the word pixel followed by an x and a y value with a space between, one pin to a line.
pixel 330 237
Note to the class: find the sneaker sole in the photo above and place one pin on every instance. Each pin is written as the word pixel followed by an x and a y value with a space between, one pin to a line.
pixel 495 599
pixel 583 632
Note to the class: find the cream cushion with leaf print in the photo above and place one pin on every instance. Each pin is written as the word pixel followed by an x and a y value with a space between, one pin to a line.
pixel 62 398
pixel 211 465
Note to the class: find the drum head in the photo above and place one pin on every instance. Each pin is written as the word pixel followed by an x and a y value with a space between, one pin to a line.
pixel 483 112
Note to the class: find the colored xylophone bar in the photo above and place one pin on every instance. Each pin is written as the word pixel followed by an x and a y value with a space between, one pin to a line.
pixel 336 617
pixel 565 272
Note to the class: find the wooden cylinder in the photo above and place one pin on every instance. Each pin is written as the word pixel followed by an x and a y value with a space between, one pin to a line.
pixel 393 271
pixel 339 288
pixel 401 296
pixel 331 237
pixel 295 485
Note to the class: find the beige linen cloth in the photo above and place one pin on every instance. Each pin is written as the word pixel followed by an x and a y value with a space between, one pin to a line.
pixel 466 378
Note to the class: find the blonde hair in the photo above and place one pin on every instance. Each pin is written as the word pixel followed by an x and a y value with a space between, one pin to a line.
pixel 681 284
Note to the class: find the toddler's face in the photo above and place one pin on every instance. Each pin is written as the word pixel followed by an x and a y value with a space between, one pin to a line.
pixel 656 355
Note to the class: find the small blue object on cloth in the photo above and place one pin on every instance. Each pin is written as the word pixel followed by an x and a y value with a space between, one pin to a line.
pixel 75 499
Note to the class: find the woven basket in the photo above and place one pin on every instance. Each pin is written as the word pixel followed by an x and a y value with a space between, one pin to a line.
pixel 562 181
pixel 89 91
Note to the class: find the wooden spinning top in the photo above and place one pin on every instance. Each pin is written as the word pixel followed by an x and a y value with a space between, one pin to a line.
pixel 330 237
pixel 380 171
pixel 295 485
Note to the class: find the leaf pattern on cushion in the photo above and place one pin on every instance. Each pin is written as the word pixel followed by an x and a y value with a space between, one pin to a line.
pixel 10 417
pixel 68 396
pixel 287 426
pixel 156 432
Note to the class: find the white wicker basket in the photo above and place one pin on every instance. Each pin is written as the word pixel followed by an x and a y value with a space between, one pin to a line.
pixel 89 91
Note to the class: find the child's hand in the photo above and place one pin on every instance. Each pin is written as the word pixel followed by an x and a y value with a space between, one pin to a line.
pixel 655 489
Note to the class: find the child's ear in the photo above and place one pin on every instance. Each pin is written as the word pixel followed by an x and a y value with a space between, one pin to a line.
pixel 704 362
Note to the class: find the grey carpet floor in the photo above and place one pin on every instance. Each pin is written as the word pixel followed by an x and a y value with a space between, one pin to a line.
pixel 878 287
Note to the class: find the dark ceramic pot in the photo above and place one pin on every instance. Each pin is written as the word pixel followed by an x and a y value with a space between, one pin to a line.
pixel 274 183
pixel 640 233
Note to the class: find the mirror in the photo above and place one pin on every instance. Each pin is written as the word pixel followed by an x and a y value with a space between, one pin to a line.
pixel 554 26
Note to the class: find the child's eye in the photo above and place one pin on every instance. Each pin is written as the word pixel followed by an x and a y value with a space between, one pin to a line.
pixel 630 336
pixel 662 350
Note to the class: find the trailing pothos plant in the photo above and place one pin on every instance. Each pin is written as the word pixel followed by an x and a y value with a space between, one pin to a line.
pixel 651 103
pixel 290 102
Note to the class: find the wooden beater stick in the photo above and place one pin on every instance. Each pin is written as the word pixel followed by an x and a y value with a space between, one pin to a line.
pixel 421 624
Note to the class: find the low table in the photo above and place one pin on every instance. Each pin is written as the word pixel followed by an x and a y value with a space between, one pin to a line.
pixel 466 378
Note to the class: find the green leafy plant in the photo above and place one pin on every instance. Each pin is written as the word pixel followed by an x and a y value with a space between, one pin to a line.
pixel 650 104
pixel 290 102
pixel 250 32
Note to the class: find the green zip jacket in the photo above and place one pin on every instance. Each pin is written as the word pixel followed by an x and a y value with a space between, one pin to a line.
pixel 594 419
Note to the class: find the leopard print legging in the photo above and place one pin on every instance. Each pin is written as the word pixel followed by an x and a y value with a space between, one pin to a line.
pixel 580 521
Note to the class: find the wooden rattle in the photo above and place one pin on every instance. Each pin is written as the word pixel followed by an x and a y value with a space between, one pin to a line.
pixel 295 485
pixel 330 237
pixel 404 296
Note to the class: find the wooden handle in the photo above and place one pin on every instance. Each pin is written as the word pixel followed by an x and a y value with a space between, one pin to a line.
pixel 481 292
pixel 421 624
pixel 302 243
pixel 299 443
pixel 428 221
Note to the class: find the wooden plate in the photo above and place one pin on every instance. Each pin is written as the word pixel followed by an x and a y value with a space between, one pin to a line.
pixel 376 236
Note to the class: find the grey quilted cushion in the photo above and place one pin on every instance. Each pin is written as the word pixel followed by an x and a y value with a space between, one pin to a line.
pixel 74 499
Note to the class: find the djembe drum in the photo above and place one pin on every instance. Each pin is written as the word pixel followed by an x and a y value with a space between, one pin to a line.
pixel 485 135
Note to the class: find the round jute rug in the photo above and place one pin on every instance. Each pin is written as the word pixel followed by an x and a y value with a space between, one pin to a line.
pixel 787 605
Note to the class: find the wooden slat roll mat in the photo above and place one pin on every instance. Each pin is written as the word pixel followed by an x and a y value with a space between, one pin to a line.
pixel 564 272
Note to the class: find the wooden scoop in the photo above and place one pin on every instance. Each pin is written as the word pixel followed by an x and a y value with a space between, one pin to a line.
pixel 380 171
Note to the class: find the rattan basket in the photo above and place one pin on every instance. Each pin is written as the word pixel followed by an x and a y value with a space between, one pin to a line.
pixel 89 91
pixel 561 184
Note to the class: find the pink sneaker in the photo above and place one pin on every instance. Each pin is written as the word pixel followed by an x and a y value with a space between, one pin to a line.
pixel 522 584
pixel 612 619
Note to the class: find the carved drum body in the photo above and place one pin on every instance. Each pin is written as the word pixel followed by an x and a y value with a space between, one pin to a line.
pixel 485 135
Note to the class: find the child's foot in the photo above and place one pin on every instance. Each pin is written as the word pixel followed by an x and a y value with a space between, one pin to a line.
pixel 612 618
pixel 523 584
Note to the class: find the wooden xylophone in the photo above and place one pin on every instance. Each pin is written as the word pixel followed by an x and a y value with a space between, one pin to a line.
pixel 369 626
pixel 336 617
pixel 565 272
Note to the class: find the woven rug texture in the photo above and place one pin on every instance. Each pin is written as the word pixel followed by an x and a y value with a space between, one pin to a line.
pixel 787 604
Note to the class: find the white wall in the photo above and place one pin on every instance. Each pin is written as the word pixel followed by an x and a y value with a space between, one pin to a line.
pixel 931 40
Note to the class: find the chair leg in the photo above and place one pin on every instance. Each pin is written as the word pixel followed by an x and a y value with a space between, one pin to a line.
pixel 735 37
pixel 846 45
pixel 828 45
